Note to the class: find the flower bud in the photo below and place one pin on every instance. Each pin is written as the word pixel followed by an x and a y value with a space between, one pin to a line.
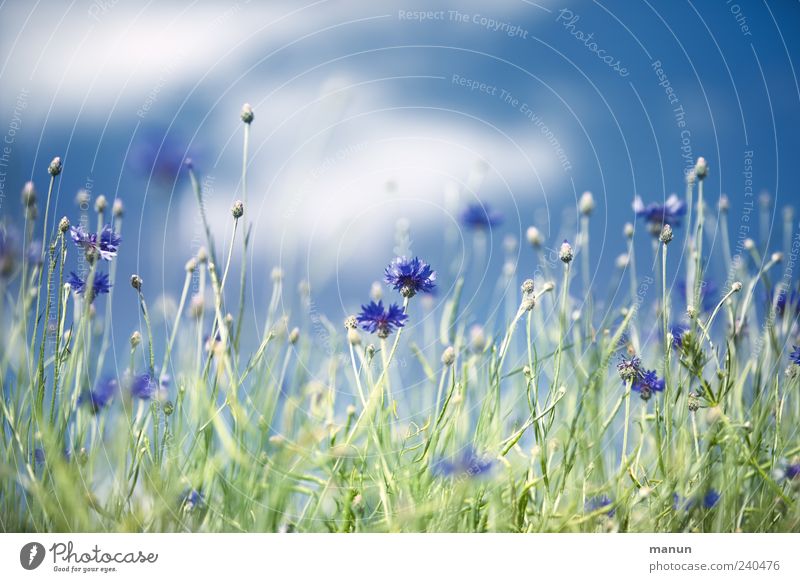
pixel 353 337
pixel 666 234
pixel 294 335
pixel 701 168
pixel 586 203
pixel 376 291
pixel 29 195
pixel 477 338
pixel 63 224
pixel 237 209
pixel 627 230
pixel 534 236
pixel 247 114
pixel 566 253
pixel 723 204
pixel 55 167
pixel 118 208
pixel 136 339
pixel 136 282
pixel 736 286
pixel 100 204
pixel 448 356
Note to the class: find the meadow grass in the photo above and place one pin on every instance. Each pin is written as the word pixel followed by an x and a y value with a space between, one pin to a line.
pixel 563 413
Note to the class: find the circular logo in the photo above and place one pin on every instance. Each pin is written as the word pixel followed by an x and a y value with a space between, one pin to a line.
pixel 31 555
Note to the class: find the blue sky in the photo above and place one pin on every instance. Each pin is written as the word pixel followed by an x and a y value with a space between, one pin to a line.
pixel 369 113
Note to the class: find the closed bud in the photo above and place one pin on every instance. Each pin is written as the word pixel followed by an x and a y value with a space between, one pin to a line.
pixel 136 282
pixel 353 337
pixel 351 322
pixel 724 204
pixel 237 209
pixel 100 204
pixel 477 338
pixel 136 339
pixel 118 208
pixel 55 167
pixel 736 286
pixel 534 236
pixel 448 356
pixel 628 230
pixel 376 291
pixel 527 287
pixel 294 335
pixel 566 253
pixel 586 203
pixel 701 168
pixel 29 195
pixel 63 224
pixel 666 234
pixel 247 114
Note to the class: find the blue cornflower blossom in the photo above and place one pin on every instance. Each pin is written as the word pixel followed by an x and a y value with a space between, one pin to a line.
pixel 480 216
pixel 410 276
pixel 599 502
pixel 374 319
pixel 795 355
pixel 101 284
pixel 101 396
pixel 8 253
pixel 785 301
pixel 105 243
pixel 710 499
pixel 792 471
pixel 648 383
pixel 630 370
pixel 144 386
pixel 468 463
pixel 677 332
pixel 38 456
pixel 192 499
pixel 657 215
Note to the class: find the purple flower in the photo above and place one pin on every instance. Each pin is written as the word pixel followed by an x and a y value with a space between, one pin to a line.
pixel 410 276
pixel 101 284
pixel 792 471
pixel 374 319
pixel 8 252
pixel 599 502
pixel 143 386
pixel 710 498
pixel 648 383
pixel 105 243
pixel 794 357
pixel 480 216
pixel 101 396
pixel 657 215
pixel 192 499
pixel 467 463
pixel 630 370
pixel 708 294
pixel 677 332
